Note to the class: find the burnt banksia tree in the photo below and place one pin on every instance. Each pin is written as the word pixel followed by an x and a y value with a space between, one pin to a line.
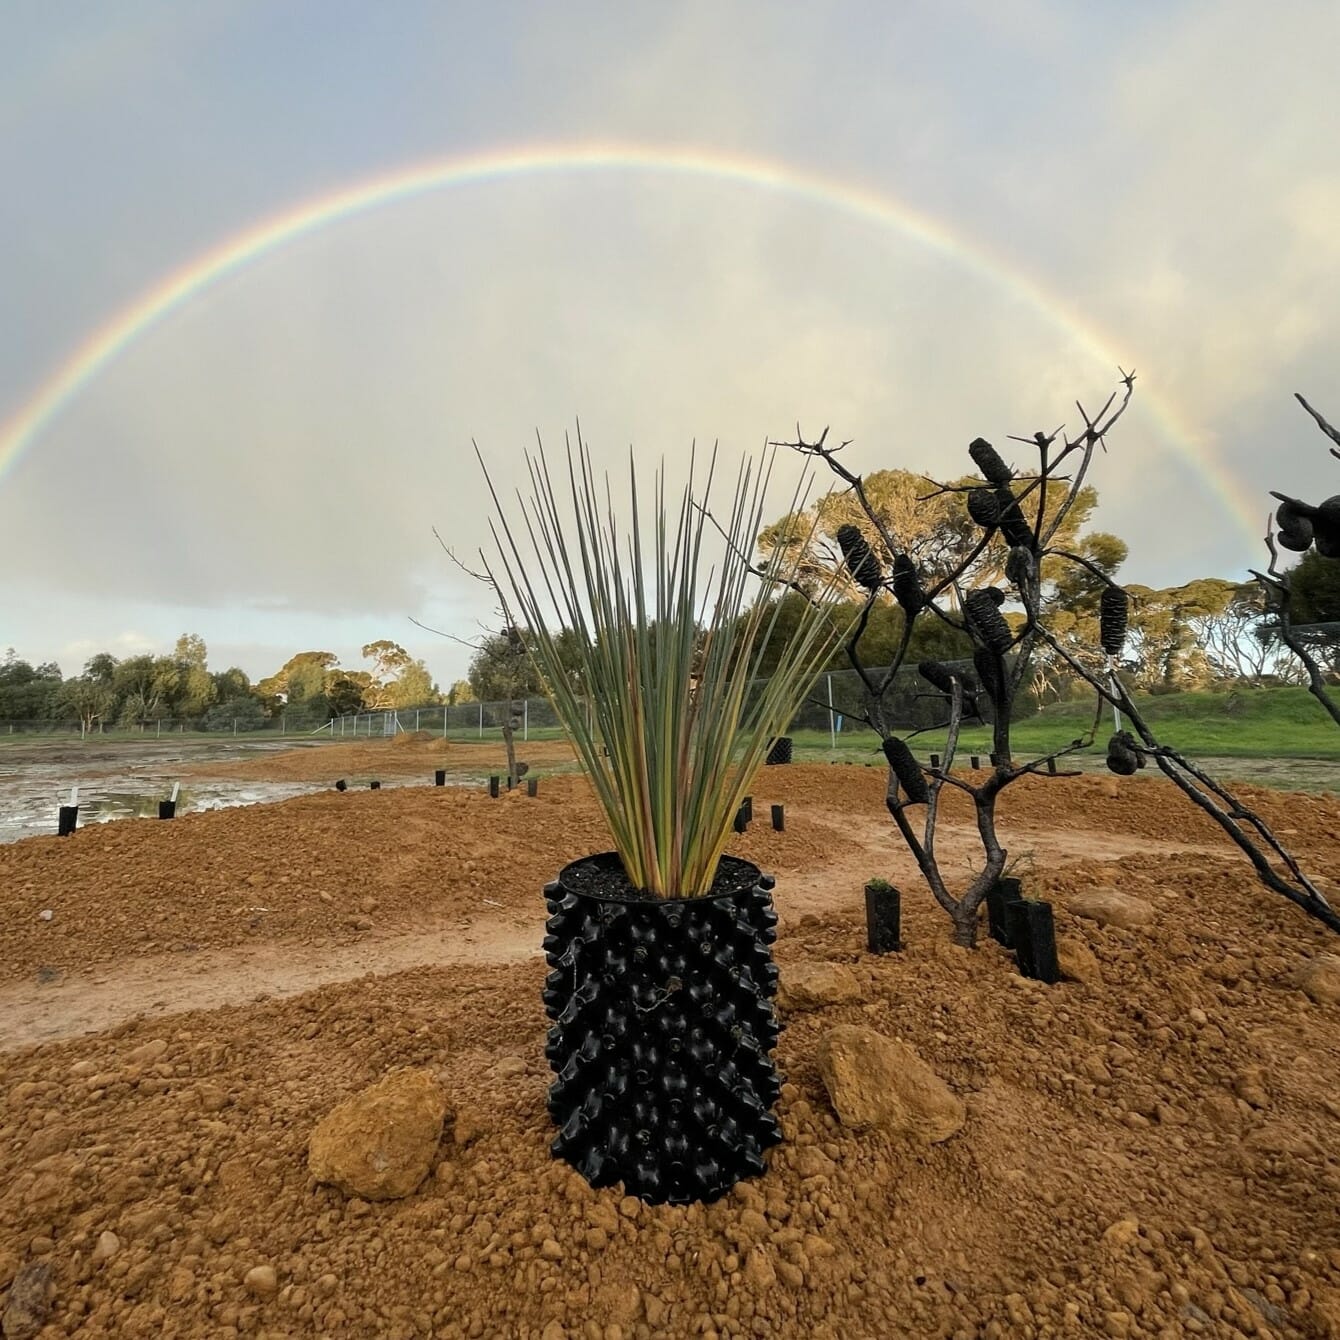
pixel 1018 519
pixel 1301 527
pixel 661 981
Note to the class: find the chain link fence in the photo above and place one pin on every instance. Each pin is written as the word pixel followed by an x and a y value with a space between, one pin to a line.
pixel 836 704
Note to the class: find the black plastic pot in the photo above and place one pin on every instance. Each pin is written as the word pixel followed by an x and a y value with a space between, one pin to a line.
pixel 883 920
pixel 1033 935
pixel 779 751
pixel 167 809
pixel 1003 892
pixel 663 1029
pixel 67 820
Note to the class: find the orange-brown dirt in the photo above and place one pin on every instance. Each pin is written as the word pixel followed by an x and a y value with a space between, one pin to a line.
pixel 1152 1152
pixel 413 754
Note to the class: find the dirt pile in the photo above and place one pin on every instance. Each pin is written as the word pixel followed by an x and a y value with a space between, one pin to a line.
pixel 409 754
pixel 1152 1152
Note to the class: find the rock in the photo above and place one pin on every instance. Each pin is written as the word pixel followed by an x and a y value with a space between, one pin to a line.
pixel 874 1081
pixel 361 924
pixel 1121 1234
pixel 380 1144
pixel 811 986
pixel 29 1302
pixel 758 1272
pixel 261 1281
pixel 811 1161
pixel 46 914
pixel 1077 961
pixel 550 1250
pixel 1319 979
pixel 108 1246
pixel 148 1052
pixel 509 1066
pixel 1109 908
pixel 1250 1085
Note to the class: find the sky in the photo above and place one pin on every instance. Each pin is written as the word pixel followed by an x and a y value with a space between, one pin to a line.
pixel 269 270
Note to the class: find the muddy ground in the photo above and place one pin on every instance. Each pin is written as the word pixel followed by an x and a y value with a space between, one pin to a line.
pixel 1151 1151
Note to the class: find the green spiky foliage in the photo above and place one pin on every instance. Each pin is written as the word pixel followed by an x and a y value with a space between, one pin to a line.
pixel 674 622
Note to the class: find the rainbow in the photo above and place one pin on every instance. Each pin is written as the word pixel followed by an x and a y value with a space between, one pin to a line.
pixel 211 268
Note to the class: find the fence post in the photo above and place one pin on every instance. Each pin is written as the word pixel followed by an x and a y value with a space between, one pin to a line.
pixel 525 718
pixel 832 722
pixel 444 721
pixel 283 723
pixel 158 729
pixel 481 719
pixel 234 725
pixel 416 721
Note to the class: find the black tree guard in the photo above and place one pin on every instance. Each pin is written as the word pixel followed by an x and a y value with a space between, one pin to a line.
pixel 663 1025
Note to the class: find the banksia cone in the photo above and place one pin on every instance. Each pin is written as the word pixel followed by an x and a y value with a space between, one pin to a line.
pixel 1326 528
pixel 983 611
pixel 987 459
pixel 861 561
pixel 1295 523
pixel 907 589
pixel 1020 567
pixel 938 674
pixel 1122 757
pixel 992 674
pixel 1013 525
pixel 995 595
pixel 905 769
pixel 984 508
pixel 1112 607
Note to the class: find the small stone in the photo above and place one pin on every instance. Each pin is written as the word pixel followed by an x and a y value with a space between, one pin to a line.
pixel 509 1066
pixel 1076 961
pixel 262 1281
pixel 367 904
pixel 1109 908
pixel 812 986
pixel 46 914
pixel 361 924
pixel 811 1161
pixel 148 1052
pixel 1319 979
pixel 107 1247
pixel 758 1272
pixel 554 1330
pixel 326 897
pixel 29 1302
pixel 1122 1233
pixel 874 1081
pixel 550 1250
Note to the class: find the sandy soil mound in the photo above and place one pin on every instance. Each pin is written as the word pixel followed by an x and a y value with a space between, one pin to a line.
pixel 1152 1152
pixel 381 758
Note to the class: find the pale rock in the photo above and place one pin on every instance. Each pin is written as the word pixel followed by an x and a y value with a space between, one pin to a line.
pixel 1077 961
pixel 147 1053
pixel 1109 908
pixel 261 1281
pixel 107 1247
pixel 758 1272
pixel 811 986
pixel 1319 979
pixel 380 1144
pixel 811 1161
pixel 1121 1234
pixel 1250 1085
pixel 874 1081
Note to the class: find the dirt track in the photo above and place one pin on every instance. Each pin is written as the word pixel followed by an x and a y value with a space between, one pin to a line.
pixel 1186 1091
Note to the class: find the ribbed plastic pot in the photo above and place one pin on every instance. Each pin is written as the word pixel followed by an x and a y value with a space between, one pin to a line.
pixel 663 1029
pixel 779 751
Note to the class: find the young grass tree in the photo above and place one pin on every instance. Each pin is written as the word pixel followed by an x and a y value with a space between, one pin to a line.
pixel 670 627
